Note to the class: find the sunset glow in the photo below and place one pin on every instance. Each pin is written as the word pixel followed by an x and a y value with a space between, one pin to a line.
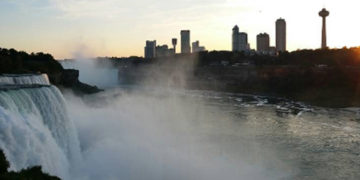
pixel 120 27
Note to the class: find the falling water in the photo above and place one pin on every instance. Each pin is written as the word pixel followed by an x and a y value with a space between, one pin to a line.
pixel 34 125
pixel 24 79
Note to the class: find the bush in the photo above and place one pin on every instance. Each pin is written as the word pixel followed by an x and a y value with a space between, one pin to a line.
pixel 34 173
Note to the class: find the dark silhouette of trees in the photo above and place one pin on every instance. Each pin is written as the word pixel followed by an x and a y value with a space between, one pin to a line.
pixel 328 77
pixel 12 61
pixel 304 58
pixel 4 164
pixel 25 174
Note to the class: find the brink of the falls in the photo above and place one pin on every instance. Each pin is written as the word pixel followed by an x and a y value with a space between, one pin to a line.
pixel 34 125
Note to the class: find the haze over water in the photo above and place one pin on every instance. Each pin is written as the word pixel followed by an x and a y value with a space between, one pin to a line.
pixel 142 132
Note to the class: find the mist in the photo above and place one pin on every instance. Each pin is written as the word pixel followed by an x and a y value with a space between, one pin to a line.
pixel 105 76
pixel 135 135
pixel 159 130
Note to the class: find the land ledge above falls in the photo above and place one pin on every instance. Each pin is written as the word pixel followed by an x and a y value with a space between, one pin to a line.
pixel 69 79
pixel 66 79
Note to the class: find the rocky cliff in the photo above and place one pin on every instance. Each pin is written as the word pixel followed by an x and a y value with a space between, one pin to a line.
pixel 19 62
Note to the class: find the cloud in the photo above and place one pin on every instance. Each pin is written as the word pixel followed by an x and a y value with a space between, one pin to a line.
pixel 26 6
pixel 87 8
pixel 120 8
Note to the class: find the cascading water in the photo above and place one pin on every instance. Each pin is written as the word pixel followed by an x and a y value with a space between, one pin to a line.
pixel 34 125
pixel 24 79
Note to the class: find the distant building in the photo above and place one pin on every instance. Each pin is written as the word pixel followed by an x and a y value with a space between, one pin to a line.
pixel 235 39
pixel 272 51
pixel 185 41
pixel 243 41
pixel 174 43
pixel 280 35
pixel 196 47
pixel 263 43
pixel 150 49
pixel 164 51
pixel 239 40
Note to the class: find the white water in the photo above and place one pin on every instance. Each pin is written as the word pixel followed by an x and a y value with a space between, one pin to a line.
pixel 147 136
pixel 35 129
pixel 129 136
pixel 29 79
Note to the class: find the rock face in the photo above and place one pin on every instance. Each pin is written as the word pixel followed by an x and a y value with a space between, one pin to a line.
pixel 70 79
pixel 55 77
pixel 19 62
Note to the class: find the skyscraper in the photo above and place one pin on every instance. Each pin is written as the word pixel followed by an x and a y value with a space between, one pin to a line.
pixel 150 49
pixel 239 40
pixel 280 35
pixel 263 43
pixel 185 41
pixel 323 13
pixel 243 41
pixel 235 39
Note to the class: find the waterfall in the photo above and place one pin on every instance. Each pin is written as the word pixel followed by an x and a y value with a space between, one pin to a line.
pixel 34 126
pixel 24 79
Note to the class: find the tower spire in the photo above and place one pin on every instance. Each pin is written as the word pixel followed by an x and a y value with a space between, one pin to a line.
pixel 323 13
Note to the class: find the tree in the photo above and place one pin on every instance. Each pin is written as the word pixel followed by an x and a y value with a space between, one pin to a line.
pixel 4 164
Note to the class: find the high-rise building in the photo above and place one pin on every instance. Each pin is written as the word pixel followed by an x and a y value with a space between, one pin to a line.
pixel 235 39
pixel 239 40
pixel 150 49
pixel 263 43
pixel 243 41
pixel 185 41
pixel 196 47
pixel 280 35
pixel 323 13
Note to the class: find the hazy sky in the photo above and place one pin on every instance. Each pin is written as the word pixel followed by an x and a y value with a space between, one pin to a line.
pixel 65 28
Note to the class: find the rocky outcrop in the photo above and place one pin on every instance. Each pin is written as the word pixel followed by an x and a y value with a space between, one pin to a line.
pixel 19 62
pixel 70 79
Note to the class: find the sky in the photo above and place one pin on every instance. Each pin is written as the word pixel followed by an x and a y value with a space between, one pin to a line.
pixel 67 28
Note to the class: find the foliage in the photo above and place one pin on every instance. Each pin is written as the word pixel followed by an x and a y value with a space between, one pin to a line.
pixel 12 61
pixel 34 173
pixel 4 164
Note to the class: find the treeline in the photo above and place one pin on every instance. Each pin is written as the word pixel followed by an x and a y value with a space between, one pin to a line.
pixel 303 58
pixel 326 77
pixel 34 173
pixel 12 61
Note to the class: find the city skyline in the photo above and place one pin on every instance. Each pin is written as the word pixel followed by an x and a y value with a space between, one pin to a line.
pixel 69 28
